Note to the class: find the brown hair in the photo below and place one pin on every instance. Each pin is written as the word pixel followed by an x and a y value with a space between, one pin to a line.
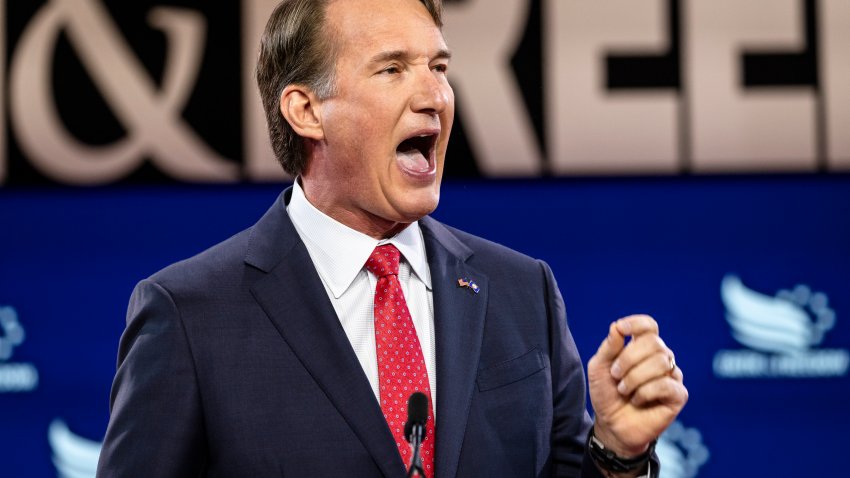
pixel 297 48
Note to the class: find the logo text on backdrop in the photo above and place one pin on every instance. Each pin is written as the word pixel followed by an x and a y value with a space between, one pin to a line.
pixel 781 334
pixel 14 377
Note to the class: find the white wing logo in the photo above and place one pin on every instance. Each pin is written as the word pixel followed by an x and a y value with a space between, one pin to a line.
pixel 73 455
pixel 780 333
pixel 777 324
pixel 681 452
pixel 13 333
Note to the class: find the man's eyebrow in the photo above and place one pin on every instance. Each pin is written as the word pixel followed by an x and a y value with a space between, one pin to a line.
pixel 401 55
pixel 443 54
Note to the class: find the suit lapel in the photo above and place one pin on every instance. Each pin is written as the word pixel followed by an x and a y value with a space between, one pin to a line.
pixel 459 327
pixel 292 295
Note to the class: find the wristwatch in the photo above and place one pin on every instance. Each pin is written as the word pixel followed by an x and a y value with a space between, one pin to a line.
pixel 609 460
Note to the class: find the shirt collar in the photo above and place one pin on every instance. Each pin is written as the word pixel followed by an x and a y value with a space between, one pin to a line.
pixel 339 251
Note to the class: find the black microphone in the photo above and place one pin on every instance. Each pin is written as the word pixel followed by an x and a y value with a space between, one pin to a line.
pixel 417 413
pixel 414 429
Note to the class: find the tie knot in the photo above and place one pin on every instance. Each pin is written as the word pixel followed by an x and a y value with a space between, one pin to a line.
pixel 384 261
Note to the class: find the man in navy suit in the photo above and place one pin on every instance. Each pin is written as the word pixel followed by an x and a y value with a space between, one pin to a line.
pixel 261 357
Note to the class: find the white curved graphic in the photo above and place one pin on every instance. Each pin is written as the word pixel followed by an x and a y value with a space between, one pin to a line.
pixel 766 323
pixel 73 455
pixel 681 452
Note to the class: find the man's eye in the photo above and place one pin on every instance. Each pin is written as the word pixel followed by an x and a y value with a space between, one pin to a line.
pixel 442 68
pixel 392 70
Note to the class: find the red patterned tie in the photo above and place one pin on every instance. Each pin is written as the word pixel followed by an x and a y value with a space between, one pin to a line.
pixel 401 365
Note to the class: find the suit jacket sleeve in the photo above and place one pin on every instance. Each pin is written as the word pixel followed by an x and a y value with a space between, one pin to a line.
pixel 156 421
pixel 571 421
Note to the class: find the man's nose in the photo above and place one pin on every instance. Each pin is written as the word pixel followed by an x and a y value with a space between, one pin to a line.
pixel 432 94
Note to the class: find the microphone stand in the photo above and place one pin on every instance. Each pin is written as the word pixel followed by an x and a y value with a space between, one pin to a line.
pixel 416 438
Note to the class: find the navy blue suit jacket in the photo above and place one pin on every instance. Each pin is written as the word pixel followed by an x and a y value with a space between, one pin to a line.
pixel 234 363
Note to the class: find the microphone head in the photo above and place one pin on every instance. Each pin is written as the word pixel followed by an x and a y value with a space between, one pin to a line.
pixel 417 408
pixel 417 413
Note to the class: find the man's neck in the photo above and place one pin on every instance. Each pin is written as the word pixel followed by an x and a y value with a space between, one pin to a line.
pixel 360 220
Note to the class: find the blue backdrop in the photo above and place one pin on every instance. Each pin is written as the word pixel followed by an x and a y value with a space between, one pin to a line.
pixel 70 257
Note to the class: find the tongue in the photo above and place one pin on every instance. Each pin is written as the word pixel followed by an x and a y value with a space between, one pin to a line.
pixel 412 160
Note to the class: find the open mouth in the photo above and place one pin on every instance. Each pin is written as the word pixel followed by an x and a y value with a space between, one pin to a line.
pixel 416 153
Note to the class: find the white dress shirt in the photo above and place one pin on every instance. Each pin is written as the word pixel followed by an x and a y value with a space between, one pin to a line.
pixel 339 254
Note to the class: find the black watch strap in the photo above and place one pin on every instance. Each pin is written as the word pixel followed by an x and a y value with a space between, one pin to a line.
pixel 608 460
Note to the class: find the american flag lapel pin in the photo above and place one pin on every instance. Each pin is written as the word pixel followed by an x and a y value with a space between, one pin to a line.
pixel 470 284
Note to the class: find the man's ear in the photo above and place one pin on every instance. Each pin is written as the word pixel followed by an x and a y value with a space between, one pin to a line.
pixel 300 107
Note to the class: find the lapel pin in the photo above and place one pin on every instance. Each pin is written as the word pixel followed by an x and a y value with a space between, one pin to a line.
pixel 464 282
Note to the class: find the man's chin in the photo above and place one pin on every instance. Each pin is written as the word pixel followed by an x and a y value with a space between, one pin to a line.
pixel 415 210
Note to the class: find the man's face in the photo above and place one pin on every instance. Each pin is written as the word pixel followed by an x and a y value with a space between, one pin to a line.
pixel 385 133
